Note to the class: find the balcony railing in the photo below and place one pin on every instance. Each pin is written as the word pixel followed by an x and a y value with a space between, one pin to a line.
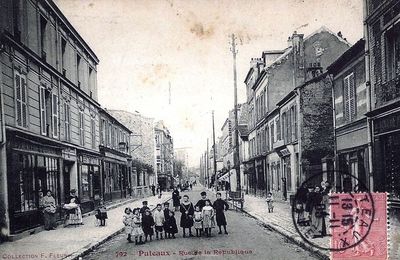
pixel 388 91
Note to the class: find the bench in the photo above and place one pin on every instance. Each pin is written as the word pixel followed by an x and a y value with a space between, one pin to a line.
pixel 237 198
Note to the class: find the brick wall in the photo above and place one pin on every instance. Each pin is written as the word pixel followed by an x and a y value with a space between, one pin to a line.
pixel 317 123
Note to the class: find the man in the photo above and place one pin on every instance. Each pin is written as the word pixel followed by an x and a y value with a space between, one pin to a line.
pixel 202 202
pixel 153 189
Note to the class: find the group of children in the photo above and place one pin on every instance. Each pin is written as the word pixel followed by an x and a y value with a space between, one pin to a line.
pixel 140 223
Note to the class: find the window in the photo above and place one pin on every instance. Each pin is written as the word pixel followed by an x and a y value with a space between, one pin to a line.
pixel 54 116
pixel 295 122
pixel 278 128
pixel 63 55
pixel 16 20
pixel 109 142
pixel 393 52
pixel 284 127
pixel 21 99
pixel 67 120
pixel 349 98
pixel 93 132
pixel 272 133
pixel 268 141
pixel 78 69
pixel 103 132
pixel 90 82
pixel 43 25
pixel 112 136
pixel 81 128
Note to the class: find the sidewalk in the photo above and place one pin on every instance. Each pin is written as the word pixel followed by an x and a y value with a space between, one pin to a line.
pixel 71 242
pixel 281 221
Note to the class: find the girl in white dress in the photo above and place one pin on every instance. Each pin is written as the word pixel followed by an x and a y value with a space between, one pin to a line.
pixel 208 218
pixel 198 221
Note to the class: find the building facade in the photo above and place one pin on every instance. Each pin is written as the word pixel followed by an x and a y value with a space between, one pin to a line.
pixel 50 113
pixel 164 156
pixel 276 163
pixel 142 146
pixel 350 123
pixel 117 178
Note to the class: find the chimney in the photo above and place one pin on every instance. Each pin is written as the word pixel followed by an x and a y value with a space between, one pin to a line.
pixel 297 43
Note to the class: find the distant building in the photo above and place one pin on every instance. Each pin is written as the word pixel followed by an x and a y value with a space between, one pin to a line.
pixel 164 155
pixel 274 138
pixel 142 143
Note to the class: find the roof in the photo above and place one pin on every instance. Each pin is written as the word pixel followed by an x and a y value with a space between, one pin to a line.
pixel 355 51
pixel 104 111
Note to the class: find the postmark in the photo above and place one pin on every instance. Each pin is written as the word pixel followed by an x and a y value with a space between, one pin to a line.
pixel 329 220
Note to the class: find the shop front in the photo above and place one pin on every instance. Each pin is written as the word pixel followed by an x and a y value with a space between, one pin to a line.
pixel 33 168
pixel 89 181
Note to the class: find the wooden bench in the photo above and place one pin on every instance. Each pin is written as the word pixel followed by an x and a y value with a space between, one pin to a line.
pixel 237 198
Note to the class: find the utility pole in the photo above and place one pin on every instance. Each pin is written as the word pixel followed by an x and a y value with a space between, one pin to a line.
pixel 214 153
pixel 207 163
pixel 236 150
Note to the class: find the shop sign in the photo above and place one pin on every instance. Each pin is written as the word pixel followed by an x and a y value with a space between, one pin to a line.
pixel 34 147
pixel 85 159
pixel 387 123
pixel 283 152
pixel 69 153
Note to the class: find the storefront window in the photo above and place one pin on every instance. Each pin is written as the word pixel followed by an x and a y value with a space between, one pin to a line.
pixel 85 182
pixel 25 199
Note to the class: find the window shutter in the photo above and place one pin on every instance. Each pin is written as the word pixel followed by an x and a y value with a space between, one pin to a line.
pixel 55 114
pixel 23 102
pixel 18 99
pixel 352 102
pixel 42 100
pixel 346 99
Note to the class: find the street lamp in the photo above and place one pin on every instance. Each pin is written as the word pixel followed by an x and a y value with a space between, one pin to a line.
pixel 228 163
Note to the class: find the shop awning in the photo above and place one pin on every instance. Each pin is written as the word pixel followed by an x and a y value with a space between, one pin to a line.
pixel 225 177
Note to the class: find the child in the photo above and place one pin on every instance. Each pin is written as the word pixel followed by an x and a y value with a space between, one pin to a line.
pixel 127 220
pixel 159 220
pixel 144 208
pixel 170 225
pixel 270 202
pixel 101 213
pixel 208 218
pixel 220 206
pixel 148 224
pixel 166 216
pixel 198 218
pixel 137 230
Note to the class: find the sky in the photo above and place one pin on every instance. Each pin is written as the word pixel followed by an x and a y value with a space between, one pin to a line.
pixel 145 46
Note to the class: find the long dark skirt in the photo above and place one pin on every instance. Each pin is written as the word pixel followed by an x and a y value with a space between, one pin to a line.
pixel 49 220
pixel 220 217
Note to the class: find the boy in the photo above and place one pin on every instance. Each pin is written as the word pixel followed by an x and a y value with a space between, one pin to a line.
pixel 166 217
pixel 159 220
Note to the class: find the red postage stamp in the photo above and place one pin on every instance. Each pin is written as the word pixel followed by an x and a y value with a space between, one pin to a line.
pixel 358 224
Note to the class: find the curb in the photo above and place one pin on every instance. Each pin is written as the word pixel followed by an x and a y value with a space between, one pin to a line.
pixel 293 238
pixel 89 248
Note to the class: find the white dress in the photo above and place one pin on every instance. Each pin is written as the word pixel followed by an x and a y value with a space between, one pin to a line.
pixel 208 217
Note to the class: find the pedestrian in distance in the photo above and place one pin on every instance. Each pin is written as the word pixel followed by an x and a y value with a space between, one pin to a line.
pixel 48 204
pixel 159 220
pixel 170 225
pixel 159 191
pixel 176 199
pixel 153 189
pixel 208 218
pixel 127 220
pixel 148 224
pixel 137 230
pixel 270 202
pixel 220 206
pixel 144 207
pixel 166 216
pixel 198 221
pixel 187 210
pixel 101 214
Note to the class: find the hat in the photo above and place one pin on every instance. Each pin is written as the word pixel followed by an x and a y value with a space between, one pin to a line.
pixel 203 193
pixel 166 203
pixel 144 202
pixel 72 191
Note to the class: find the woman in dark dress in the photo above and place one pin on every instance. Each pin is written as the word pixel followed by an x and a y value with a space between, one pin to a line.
pixel 176 199
pixel 220 205
pixel 187 210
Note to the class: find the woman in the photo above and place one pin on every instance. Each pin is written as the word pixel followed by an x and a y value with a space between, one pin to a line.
pixel 187 210
pixel 73 209
pixel 49 211
pixel 176 198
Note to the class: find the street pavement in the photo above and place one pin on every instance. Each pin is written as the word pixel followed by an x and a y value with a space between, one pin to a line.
pixel 282 222
pixel 72 241
pixel 247 239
